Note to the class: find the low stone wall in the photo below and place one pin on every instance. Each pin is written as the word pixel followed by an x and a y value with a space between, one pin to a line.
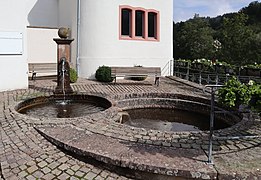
pixel 175 101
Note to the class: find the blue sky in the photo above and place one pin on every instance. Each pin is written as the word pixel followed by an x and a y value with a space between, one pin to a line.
pixel 186 9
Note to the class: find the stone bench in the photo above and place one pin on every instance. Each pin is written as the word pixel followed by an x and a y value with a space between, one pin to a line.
pixel 136 72
pixel 50 68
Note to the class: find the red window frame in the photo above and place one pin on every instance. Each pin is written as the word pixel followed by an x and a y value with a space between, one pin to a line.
pixel 144 36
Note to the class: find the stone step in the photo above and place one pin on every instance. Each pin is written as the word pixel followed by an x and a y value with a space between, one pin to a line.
pixel 188 163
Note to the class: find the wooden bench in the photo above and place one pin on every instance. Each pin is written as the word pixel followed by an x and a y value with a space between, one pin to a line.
pixel 136 72
pixel 50 68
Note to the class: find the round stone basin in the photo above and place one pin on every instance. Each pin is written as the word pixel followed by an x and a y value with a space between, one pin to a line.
pixel 70 106
pixel 176 120
pixel 174 113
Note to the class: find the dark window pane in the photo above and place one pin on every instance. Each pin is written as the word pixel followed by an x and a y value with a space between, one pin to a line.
pixel 139 23
pixel 125 22
pixel 152 24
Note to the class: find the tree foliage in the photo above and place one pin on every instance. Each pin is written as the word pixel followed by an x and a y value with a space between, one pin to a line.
pixel 236 40
pixel 239 34
pixel 194 39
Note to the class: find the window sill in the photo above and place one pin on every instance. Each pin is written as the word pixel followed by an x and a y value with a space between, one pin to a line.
pixel 138 38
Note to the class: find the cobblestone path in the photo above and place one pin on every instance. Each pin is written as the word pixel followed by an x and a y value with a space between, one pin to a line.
pixel 25 154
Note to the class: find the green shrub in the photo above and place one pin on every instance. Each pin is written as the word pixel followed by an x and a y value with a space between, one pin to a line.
pixel 73 75
pixel 233 93
pixel 103 74
pixel 255 93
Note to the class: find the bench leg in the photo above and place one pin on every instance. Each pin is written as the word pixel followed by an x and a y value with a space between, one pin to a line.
pixel 33 75
pixel 157 81
pixel 114 80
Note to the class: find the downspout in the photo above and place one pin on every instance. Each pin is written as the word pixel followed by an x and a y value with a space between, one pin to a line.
pixel 78 34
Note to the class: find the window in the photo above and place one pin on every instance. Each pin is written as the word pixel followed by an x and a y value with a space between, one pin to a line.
pixel 139 24
pixel 152 22
pixel 126 22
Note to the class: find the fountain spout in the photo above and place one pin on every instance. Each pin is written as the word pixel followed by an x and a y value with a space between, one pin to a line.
pixel 63 78
pixel 63 67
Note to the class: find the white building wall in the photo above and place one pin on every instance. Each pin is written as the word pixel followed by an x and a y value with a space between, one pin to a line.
pixel 68 18
pixel 99 36
pixel 13 68
pixel 42 13
pixel 41 47
pixel 42 26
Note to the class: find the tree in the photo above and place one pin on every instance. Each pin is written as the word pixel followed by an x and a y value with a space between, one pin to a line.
pixel 194 39
pixel 254 48
pixel 236 39
pixel 253 10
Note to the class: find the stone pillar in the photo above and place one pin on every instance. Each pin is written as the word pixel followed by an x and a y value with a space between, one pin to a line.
pixel 63 66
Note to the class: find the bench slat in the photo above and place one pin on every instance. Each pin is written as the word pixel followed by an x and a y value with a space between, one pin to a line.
pixel 35 68
pixel 136 72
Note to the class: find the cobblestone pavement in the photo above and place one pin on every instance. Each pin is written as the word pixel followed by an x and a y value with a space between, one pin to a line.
pixel 25 154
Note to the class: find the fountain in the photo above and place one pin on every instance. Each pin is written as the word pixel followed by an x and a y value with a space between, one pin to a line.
pixel 64 103
pixel 171 113
pixel 63 59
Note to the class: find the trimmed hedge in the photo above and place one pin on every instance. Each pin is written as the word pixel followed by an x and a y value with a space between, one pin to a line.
pixel 103 74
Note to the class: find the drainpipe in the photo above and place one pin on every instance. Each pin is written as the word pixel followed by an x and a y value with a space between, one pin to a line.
pixel 78 34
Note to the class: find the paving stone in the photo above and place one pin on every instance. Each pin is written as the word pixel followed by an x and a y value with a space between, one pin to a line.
pixel 49 160
pixel 75 167
pixel 22 174
pixel 63 159
pixel 74 178
pixel 30 163
pixel 104 174
pixel 98 178
pixel 44 156
pixel 30 177
pixel 32 169
pixel 56 172
pixel 79 173
pixel 70 172
pixel 63 167
pixel 63 176
pixel 90 175
pixel 42 164
pixel 38 174
pixel 48 176
pixel 46 170
pixel 53 165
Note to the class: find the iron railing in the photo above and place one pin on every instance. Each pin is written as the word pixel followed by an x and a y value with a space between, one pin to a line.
pixel 201 76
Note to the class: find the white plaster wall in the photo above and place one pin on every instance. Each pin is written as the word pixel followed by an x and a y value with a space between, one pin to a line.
pixel 42 27
pixel 68 18
pixel 100 44
pixel 43 13
pixel 41 47
pixel 13 68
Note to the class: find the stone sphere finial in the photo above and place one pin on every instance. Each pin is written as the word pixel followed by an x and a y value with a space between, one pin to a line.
pixel 64 32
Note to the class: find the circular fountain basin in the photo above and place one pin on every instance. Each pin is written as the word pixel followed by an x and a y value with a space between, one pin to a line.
pixel 166 119
pixel 175 114
pixel 69 106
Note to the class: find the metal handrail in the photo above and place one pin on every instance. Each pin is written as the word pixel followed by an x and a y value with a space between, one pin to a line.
pixel 211 123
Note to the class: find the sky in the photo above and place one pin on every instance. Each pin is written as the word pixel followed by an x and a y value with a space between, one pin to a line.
pixel 186 9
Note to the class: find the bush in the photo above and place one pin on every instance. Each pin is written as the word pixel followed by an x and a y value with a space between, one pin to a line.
pixel 255 93
pixel 73 75
pixel 233 93
pixel 103 74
